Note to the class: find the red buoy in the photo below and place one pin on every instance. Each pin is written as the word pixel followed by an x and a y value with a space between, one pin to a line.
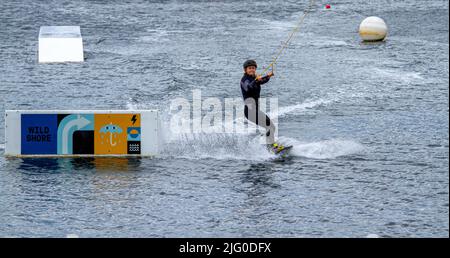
pixel 328 6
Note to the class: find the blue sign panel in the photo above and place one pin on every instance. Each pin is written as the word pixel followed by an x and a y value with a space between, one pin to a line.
pixel 39 134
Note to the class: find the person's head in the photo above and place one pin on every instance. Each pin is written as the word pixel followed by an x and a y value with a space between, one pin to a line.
pixel 250 67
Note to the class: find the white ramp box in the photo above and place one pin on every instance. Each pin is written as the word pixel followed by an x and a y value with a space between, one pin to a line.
pixel 60 44
pixel 82 133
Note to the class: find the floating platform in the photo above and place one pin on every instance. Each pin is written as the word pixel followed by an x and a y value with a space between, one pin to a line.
pixel 58 44
pixel 82 133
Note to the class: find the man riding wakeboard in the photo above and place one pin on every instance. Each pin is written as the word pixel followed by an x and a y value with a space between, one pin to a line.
pixel 251 89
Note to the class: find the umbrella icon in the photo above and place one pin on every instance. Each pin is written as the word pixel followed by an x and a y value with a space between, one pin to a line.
pixel 111 129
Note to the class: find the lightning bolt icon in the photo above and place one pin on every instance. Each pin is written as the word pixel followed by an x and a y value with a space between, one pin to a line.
pixel 134 119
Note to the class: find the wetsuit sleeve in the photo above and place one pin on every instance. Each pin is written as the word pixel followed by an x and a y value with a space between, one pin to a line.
pixel 265 79
pixel 251 84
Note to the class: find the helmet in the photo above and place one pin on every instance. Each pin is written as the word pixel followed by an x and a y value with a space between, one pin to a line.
pixel 250 63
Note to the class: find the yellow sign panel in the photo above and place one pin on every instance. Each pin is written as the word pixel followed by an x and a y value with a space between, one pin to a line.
pixel 117 134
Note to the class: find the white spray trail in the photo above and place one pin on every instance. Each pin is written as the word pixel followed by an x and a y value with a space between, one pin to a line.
pixel 246 144
pixel 282 111
pixel 327 149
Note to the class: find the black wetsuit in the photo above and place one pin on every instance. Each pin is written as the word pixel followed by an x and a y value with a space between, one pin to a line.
pixel 251 89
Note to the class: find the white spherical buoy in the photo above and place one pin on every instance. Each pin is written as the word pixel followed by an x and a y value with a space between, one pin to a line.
pixel 373 29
